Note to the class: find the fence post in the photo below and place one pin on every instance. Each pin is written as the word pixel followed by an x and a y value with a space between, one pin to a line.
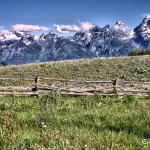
pixel 115 84
pixel 36 85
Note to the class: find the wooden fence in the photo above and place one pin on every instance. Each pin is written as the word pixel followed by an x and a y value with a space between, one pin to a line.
pixel 116 87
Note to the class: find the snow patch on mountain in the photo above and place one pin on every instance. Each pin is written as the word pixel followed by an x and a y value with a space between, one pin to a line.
pixel 120 26
pixel 10 36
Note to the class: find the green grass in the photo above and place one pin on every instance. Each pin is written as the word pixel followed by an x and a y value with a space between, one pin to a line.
pixel 87 123
pixel 129 68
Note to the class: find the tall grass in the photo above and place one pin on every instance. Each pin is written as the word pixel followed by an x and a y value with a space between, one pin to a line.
pixel 56 122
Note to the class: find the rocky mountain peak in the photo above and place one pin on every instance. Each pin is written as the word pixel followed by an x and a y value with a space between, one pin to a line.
pixel 146 18
pixel 95 29
pixel 145 23
pixel 143 31
pixel 51 35
pixel 20 34
pixel 119 23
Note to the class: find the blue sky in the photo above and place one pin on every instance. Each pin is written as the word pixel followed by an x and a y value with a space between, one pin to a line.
pixel 47 13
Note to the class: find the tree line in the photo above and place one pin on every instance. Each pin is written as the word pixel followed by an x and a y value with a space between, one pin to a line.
pixel 139 52
pixel 3 63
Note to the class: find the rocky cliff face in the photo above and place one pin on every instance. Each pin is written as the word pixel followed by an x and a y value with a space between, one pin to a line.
pixel 142 33
pixel 117 40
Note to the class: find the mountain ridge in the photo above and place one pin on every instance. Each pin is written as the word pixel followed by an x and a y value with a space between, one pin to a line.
pixel 108 41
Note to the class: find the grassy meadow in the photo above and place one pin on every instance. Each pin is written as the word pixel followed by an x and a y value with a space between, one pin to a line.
pixel 55 122
pixel 74 123
pixel 128 68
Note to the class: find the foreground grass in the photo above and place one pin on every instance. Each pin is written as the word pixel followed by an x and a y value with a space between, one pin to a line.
pixel 90 123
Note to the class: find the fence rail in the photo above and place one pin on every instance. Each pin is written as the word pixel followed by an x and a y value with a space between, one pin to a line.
pixel 114 87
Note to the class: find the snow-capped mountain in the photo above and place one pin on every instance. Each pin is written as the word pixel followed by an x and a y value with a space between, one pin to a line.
pixel 20 48
pixel 121 28
pixel 108 41
pixel 117 40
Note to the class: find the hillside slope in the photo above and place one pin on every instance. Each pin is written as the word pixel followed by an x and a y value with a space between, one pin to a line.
pixel 128 68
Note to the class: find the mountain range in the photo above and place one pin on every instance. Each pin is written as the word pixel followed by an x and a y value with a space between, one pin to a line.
pixel 109 41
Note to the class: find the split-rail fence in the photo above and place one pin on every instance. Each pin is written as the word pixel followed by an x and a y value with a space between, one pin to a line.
pixel 116 88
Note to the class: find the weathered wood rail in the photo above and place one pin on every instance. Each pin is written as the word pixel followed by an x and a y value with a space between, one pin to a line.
pixel 114 87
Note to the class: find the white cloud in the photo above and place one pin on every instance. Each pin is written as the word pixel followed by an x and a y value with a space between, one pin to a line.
pixel 59 28
pixel 67 28
pixel 86 26
pixel 29 28
pixel 5 32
